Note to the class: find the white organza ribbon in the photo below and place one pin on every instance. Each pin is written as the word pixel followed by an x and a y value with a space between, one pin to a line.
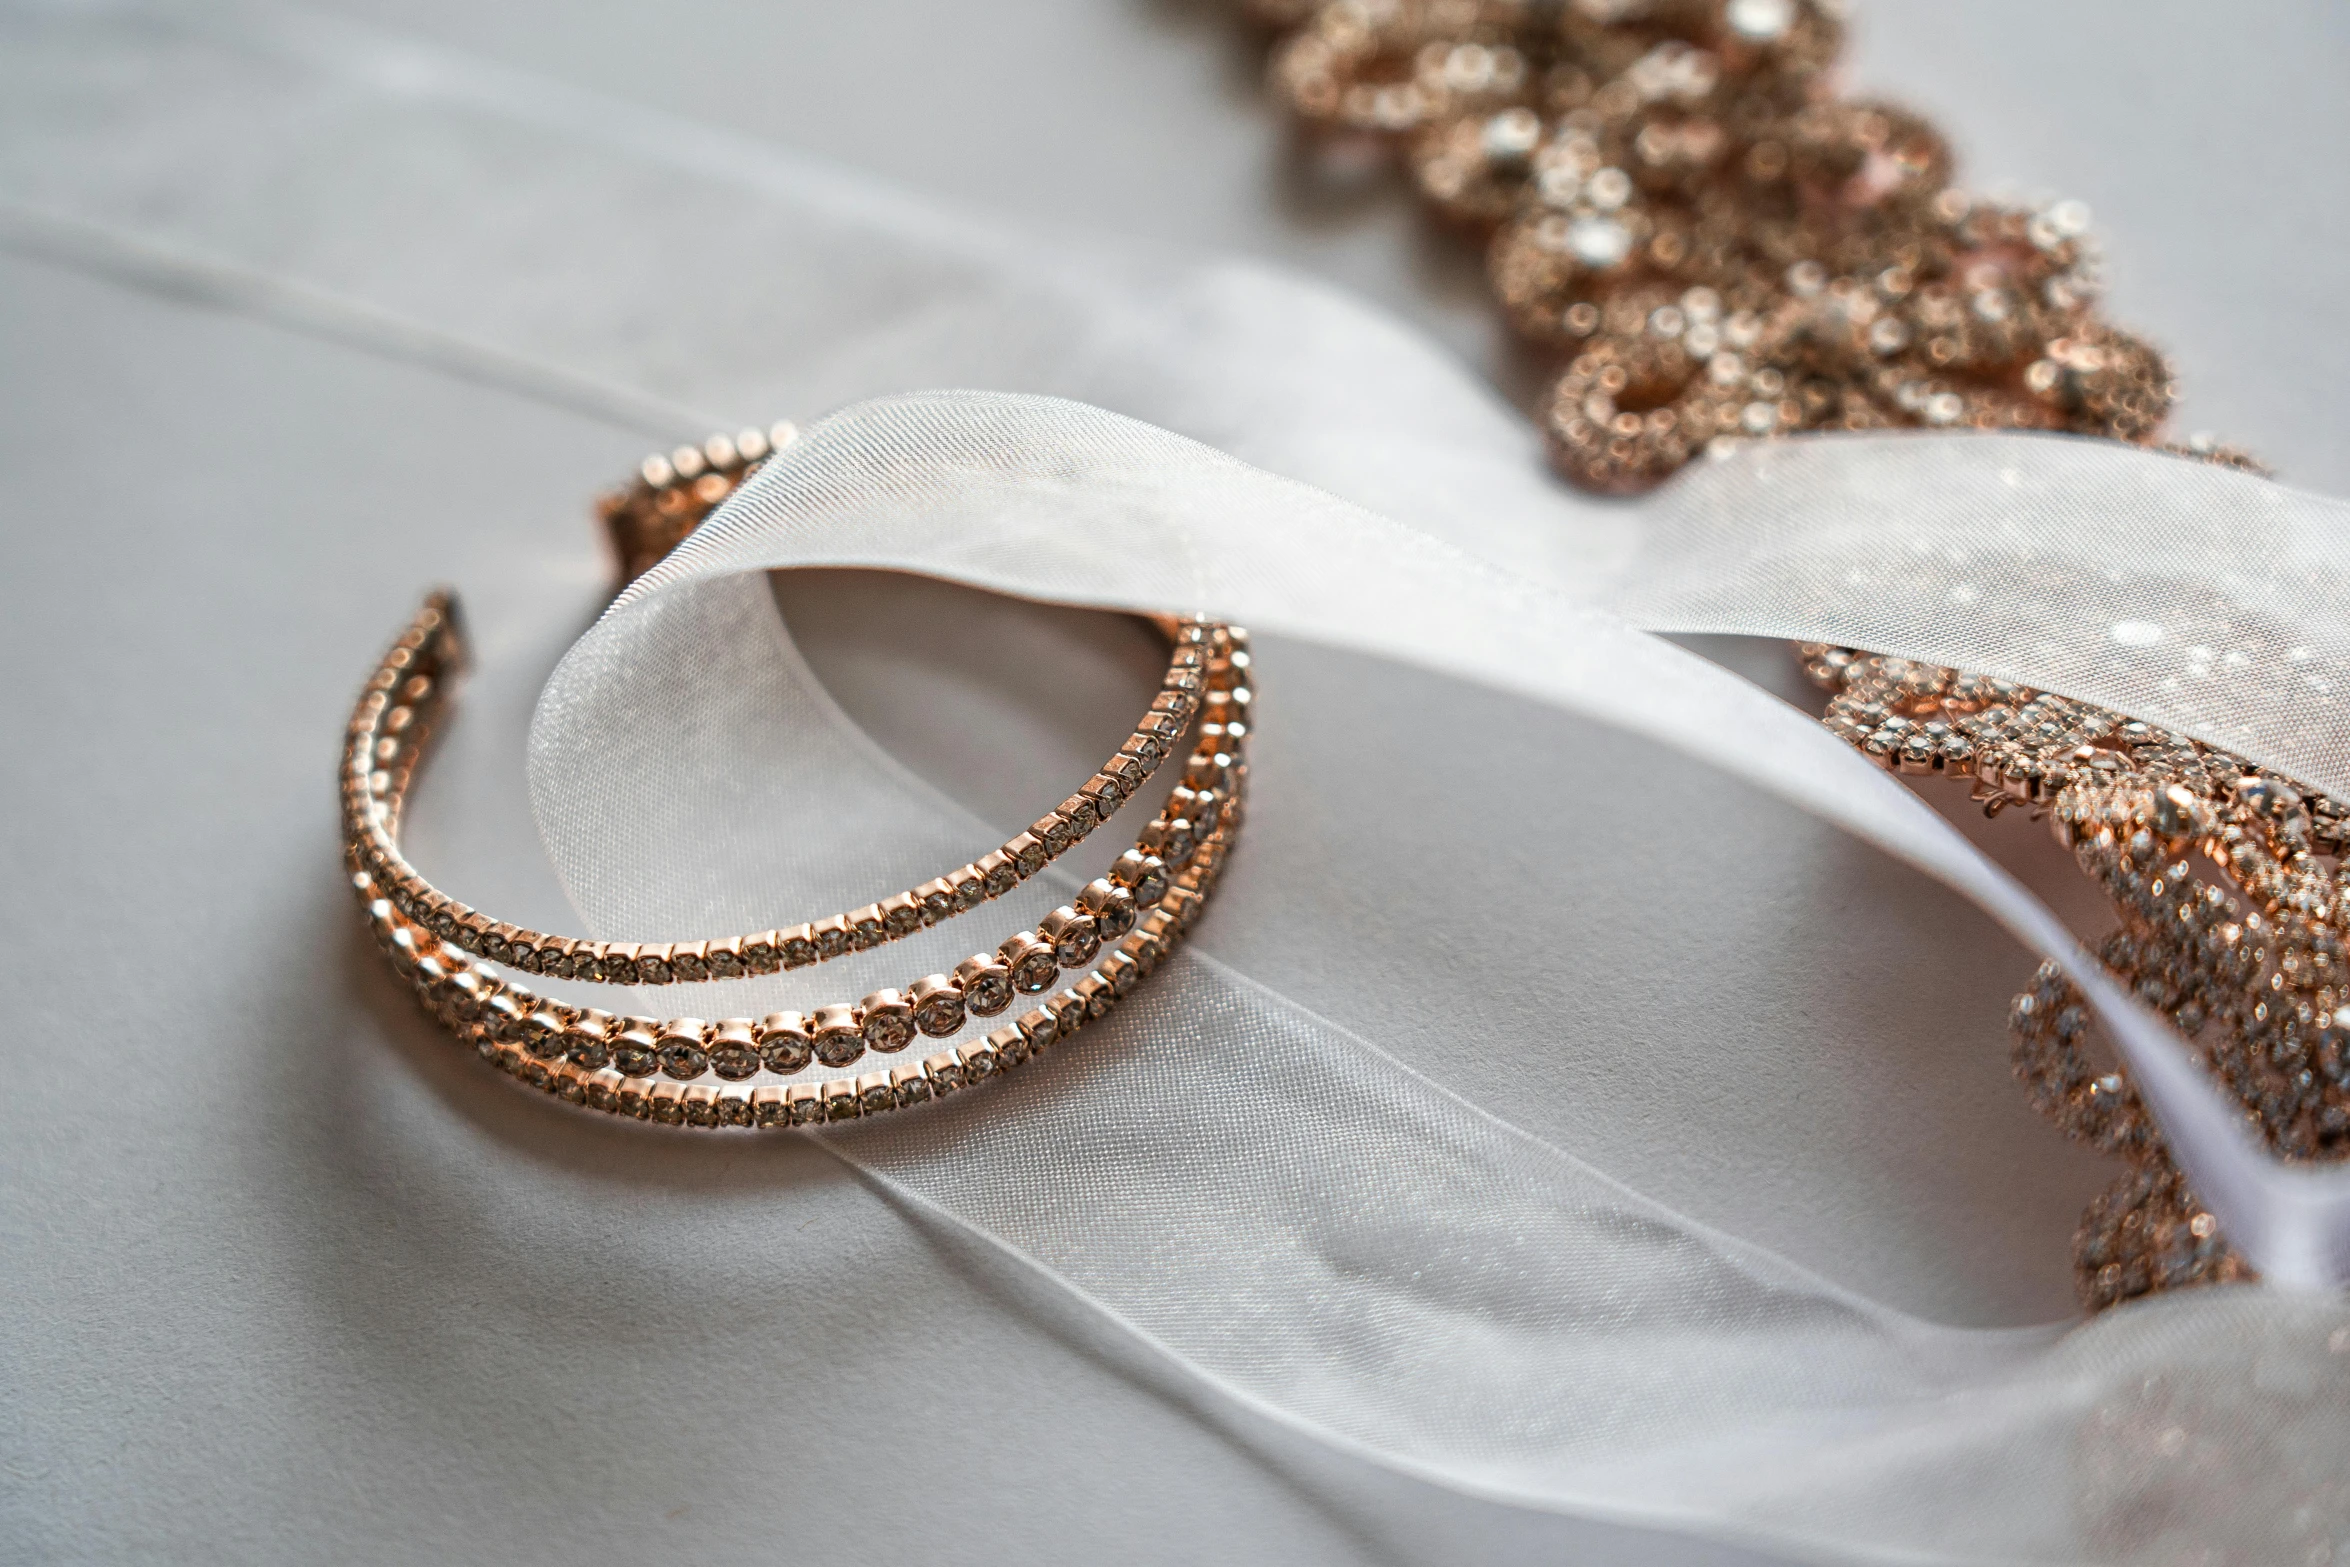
pixel 1307 1226
pixel 1064 502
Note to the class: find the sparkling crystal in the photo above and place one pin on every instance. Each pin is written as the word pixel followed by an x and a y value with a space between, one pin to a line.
pixel 837 1047
pixel 887 1031
pixel 1036 972
pixel 1559 185
pixel 1115 917
pixel 734 1060
pixel 1077 944
pixel 586 1049
pixel 542 1036
pixel 1607 190
pixel 1511 136
pixel 988 994
pixel 1599 243
pixel 941 1015
pixel 784 1054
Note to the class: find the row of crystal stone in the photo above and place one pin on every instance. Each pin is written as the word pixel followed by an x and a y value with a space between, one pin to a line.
pixel 574 1053
pixel 670 494
pixel 1922 718
pixel 1205 678
pixel 1029 963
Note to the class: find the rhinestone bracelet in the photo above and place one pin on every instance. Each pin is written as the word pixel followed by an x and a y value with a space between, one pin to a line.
pixel 1713 247
pixel 393 722
pixel 639 1065
pixel 1028 963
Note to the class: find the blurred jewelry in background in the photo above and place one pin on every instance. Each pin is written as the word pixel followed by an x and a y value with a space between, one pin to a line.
pixel 1714 248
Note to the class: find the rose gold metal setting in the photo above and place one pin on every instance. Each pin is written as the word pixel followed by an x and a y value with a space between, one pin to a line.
pixel 654 1069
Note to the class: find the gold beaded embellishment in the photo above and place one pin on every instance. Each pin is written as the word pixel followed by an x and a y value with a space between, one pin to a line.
pixel 1117 929
pixel 1716 248
pixel 2235 917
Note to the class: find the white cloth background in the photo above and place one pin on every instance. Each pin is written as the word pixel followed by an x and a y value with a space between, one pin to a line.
pixel 376 264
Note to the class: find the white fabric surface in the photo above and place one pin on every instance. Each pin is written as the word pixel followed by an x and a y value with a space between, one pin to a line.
pixel 385 271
